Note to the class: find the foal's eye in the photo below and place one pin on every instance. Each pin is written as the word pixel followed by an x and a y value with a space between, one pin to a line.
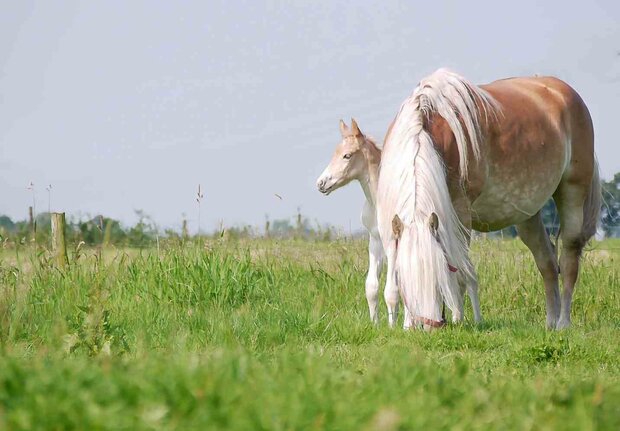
pixel 347 156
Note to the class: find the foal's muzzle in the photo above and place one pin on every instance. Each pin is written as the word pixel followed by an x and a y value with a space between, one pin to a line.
pixel 322 185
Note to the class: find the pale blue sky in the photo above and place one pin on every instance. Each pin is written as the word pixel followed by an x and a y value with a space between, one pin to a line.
pixel 129 105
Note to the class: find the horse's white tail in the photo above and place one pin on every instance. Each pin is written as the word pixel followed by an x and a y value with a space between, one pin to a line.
pixel 412 185
pixel 592 206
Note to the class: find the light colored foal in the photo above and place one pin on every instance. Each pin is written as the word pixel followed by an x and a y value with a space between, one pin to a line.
pixel 357 157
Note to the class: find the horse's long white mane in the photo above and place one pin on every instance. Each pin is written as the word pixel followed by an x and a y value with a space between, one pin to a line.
pixel 412 185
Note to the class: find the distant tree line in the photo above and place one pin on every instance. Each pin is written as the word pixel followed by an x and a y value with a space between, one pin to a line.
pixel 101 230
pixel 98 230
pixel 611 206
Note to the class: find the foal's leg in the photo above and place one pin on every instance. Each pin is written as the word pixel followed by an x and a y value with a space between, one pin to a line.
pixel 532 233
pixel 570 207
pixel 391 287
pixel 375 264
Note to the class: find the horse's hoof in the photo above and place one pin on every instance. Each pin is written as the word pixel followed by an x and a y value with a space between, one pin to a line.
pixel 562 324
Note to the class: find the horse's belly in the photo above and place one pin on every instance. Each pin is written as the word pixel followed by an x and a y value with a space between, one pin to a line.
pixel 503 203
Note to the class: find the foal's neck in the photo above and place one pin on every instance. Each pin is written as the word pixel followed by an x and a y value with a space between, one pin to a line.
pixel 371 177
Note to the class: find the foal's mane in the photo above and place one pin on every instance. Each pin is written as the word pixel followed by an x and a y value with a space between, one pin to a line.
pixel 374 144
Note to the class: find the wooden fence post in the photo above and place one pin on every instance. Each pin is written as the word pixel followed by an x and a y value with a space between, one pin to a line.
pixel 59 243
pixel 107 233
pixel 33 224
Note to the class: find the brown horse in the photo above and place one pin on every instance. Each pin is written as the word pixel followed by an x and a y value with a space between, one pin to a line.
pixel 460 156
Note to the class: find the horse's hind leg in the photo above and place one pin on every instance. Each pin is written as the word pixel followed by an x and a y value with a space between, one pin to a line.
pixel 532 233
pixel 570 200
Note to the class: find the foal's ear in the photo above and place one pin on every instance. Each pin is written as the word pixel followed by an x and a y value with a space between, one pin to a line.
pixel 433 223
pixel 344 129
pixel 355 129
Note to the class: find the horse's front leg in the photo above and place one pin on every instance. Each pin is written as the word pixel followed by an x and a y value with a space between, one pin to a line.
pixel 467 279
pixel 407 317
pixel 375 263
pixel 391 287
pixel 468 282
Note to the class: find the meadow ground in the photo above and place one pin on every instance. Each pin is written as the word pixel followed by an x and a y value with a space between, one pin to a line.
pixel 275 335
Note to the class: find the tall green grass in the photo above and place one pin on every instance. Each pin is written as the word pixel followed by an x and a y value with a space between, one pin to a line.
pixel 275 335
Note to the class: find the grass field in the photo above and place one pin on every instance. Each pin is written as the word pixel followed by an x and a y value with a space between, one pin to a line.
pixel 267 335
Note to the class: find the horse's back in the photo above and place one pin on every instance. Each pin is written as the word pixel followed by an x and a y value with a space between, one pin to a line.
pixel 543 96
pixel 530 98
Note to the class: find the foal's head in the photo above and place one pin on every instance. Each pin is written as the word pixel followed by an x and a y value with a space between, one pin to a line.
pixel 349 161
